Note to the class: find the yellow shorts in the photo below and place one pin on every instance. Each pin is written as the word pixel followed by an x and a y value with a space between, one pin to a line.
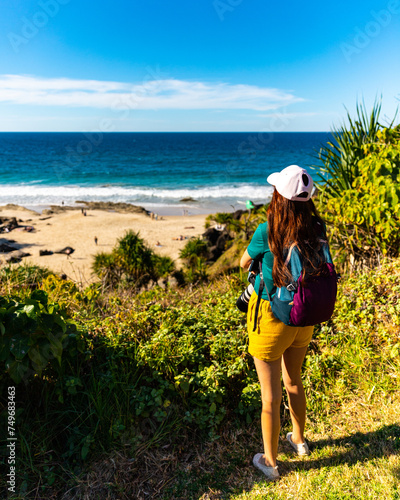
pixel 271 337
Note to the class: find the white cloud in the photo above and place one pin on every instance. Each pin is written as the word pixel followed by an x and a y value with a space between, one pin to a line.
pixel 289 116
pixel 151 94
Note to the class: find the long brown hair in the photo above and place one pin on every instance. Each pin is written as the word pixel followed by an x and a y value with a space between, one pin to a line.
pixel 294 222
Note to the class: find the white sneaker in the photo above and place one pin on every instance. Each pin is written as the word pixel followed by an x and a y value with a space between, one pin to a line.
pixel 271 472
pixel 301 449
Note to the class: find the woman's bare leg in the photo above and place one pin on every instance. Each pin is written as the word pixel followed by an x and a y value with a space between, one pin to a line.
pixel 292 361
pixel 269 375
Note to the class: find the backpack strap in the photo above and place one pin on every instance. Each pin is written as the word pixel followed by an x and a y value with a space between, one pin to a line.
pixel 297 257
pixel 260 290
pixel 289 254
pixel 258 297
pixel 262 282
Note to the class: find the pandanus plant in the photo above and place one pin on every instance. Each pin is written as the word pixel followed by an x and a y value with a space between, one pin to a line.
pixel 340 157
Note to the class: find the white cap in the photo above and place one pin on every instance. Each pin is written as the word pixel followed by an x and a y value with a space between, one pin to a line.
pixel 291 182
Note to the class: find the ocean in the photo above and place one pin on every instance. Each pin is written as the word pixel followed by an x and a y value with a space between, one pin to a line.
pixel 167 173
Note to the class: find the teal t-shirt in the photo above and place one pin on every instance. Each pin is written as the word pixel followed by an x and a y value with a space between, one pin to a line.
pixel 259 246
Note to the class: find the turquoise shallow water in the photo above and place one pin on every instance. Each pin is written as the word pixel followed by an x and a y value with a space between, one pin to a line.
pixel 156 170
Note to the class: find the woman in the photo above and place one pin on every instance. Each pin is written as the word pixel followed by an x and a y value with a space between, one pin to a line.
pixel 291 218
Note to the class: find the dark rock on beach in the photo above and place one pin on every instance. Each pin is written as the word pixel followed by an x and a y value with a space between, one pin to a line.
pixel 187 198
pixel 45 252
pixel 5 248
pixel 8 224
pixel 16 256
pixel 56 209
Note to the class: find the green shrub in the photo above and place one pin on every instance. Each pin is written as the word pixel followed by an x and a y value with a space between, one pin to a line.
pixel 194 254
pixel 365 220
pixel 131 262
pixel 134 256
pixel 35 334
pixel 163 266
pixel 106 267
pixel 201 352
pixel 193 249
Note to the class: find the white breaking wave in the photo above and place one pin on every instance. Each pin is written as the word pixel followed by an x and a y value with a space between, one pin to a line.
pixel 24 194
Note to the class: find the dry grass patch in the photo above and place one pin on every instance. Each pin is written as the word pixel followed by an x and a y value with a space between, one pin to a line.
pixel 355 455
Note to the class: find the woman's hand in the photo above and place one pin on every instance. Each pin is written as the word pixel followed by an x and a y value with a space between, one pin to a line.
pixel 245 260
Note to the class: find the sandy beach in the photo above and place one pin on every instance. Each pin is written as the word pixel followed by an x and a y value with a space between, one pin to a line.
pixel 71 228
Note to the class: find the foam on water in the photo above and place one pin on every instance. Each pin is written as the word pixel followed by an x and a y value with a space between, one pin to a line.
pixel 35 194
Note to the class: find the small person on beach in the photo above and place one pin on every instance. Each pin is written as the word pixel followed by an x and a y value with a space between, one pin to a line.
pixel 277 348
pixel 95 240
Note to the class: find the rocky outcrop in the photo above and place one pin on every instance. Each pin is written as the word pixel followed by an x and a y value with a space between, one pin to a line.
pixel 187 199
pixel 217 242
pixel 236 215
pixel 211 236
pixel 97 205
pixel 7 224
pixel 118 207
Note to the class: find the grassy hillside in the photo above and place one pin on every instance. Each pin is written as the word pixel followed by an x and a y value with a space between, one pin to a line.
pixel 156 396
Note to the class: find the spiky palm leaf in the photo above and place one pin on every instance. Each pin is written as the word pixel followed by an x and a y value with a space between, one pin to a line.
pixel 340 157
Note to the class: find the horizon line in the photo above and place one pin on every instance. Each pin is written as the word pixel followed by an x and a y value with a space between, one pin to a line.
pixel 165 132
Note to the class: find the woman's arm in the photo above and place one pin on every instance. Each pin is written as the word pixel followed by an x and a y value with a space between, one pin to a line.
pixel 245 260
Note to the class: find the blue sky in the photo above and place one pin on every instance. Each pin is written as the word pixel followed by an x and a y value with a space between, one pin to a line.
pixel 205 65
